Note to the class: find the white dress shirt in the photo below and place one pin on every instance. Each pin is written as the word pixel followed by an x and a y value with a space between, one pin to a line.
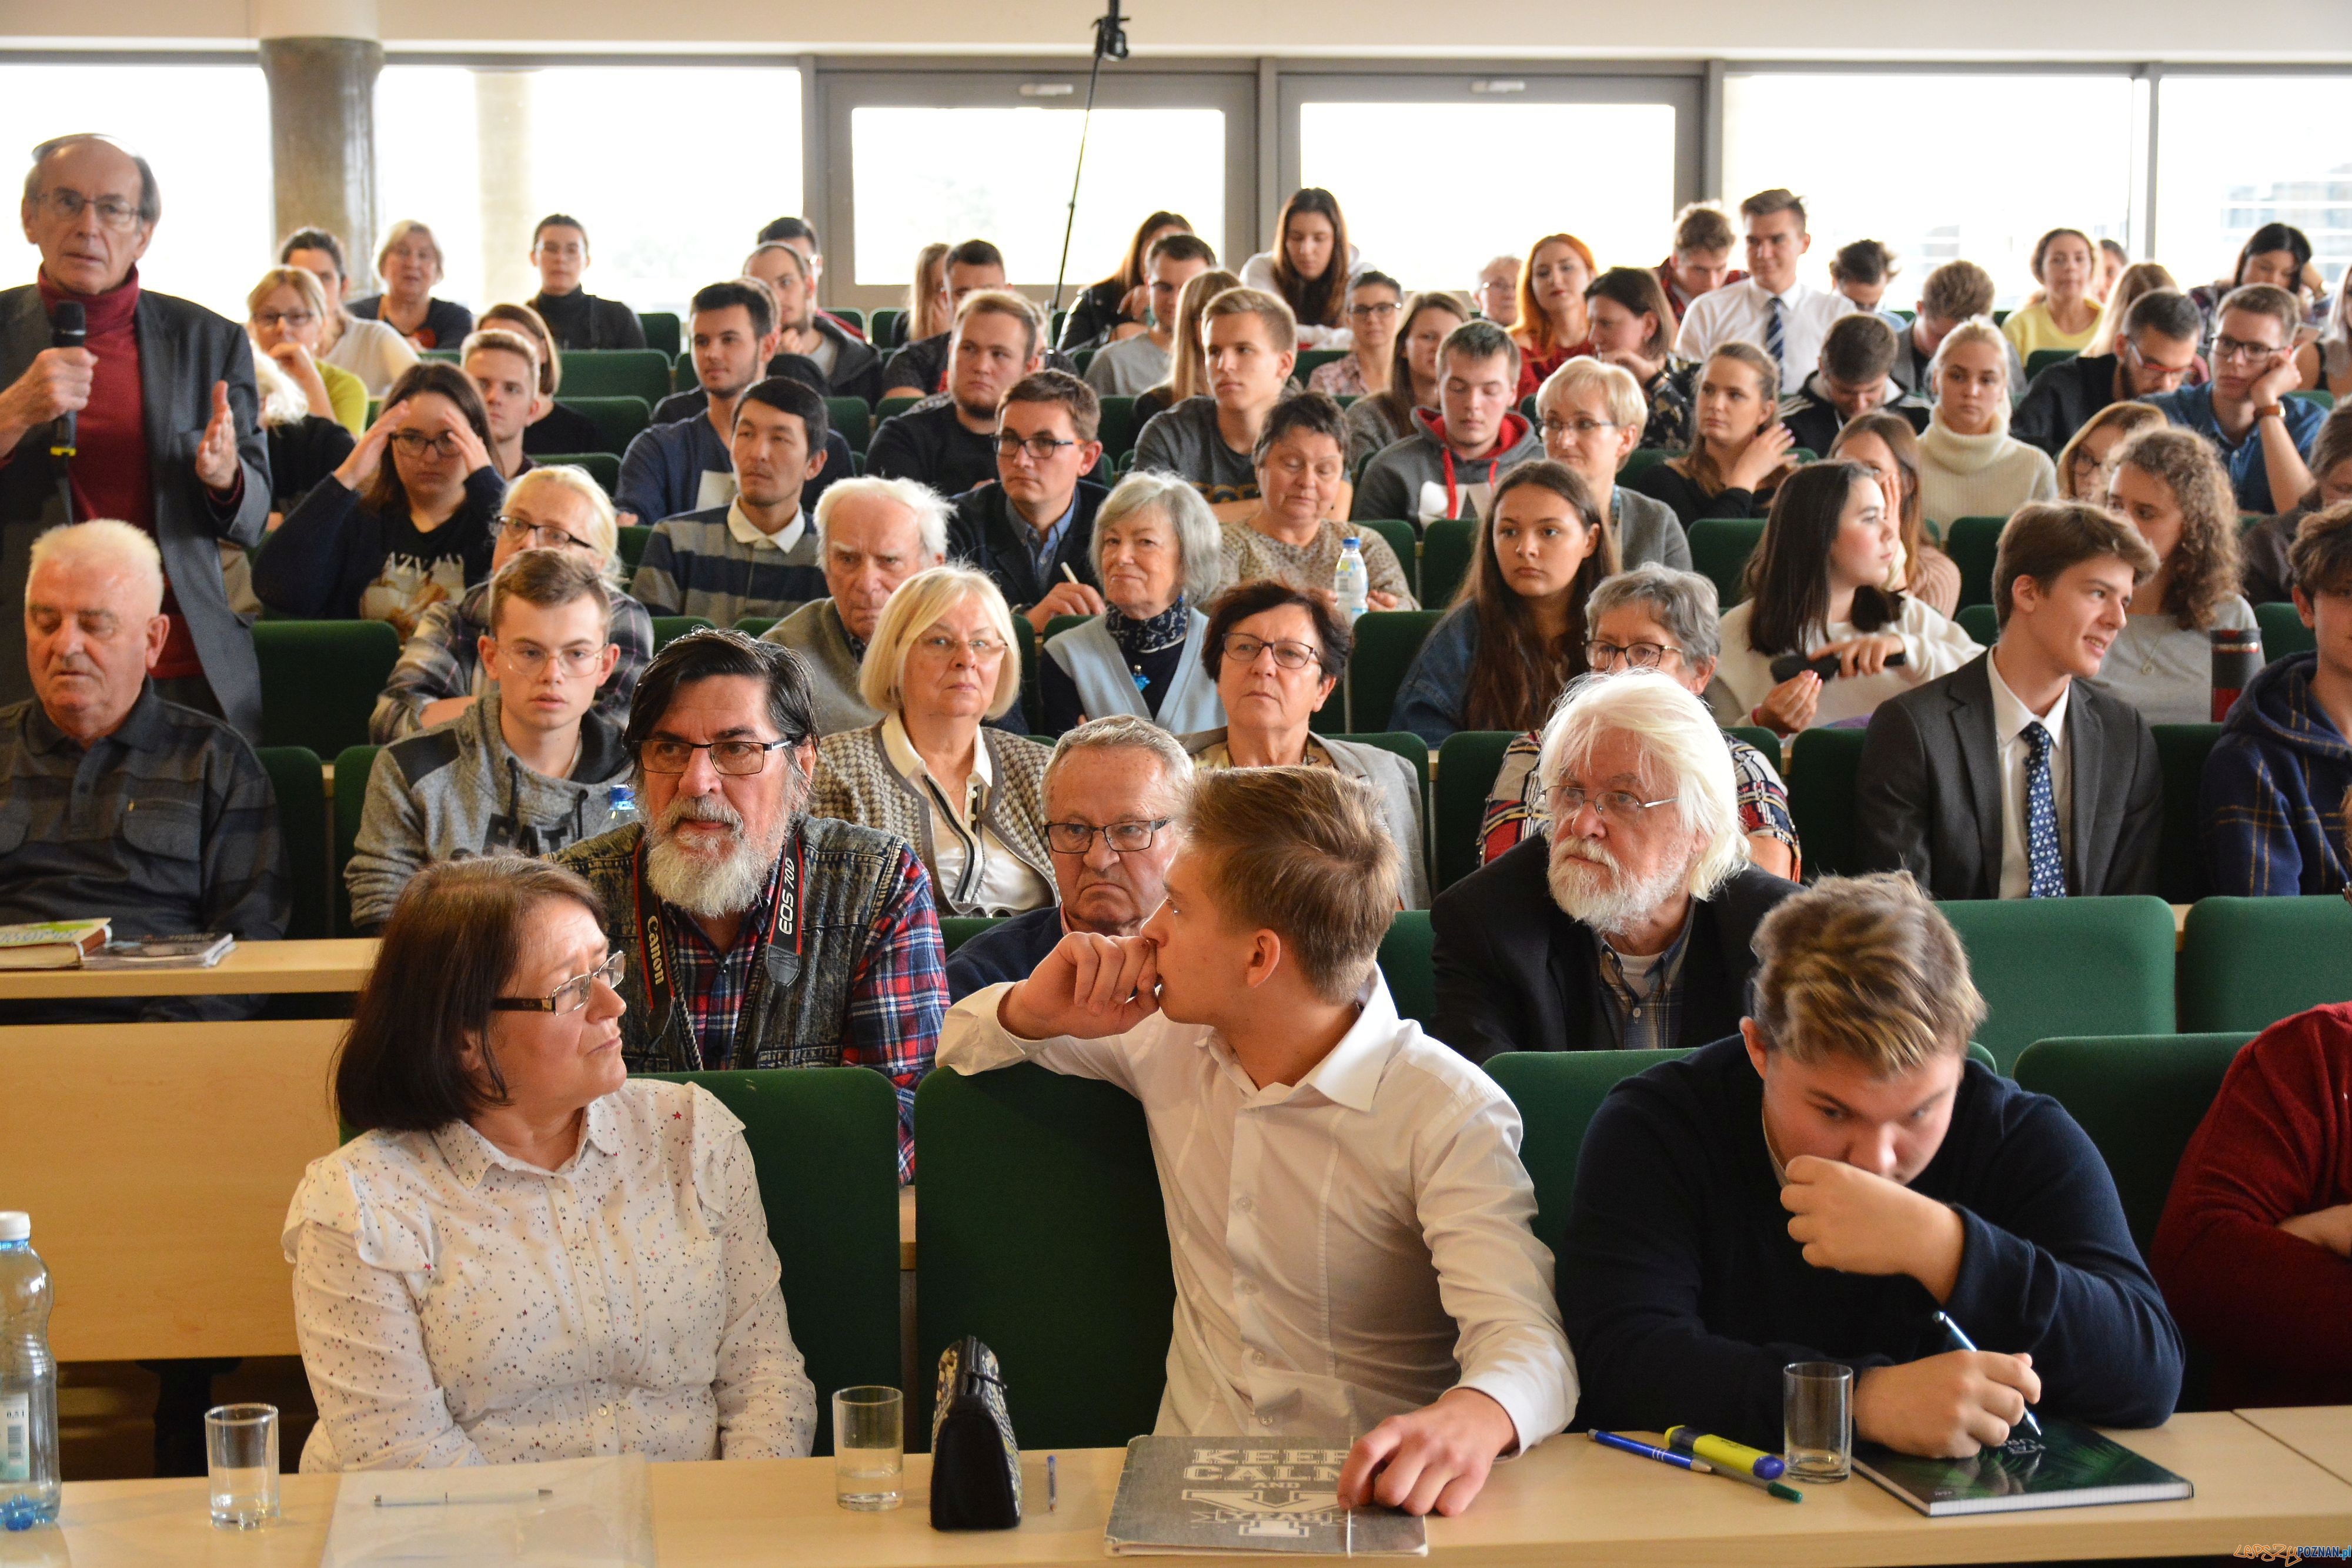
pixel 1740 310
pixel 747 533
pixel 2009 717
pixel 1007 885
pixel 1347 1247
pixel 456 1306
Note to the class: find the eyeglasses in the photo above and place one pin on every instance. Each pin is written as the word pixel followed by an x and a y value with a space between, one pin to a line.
pixel 297 319
pixel 114 211
pixel 1245 650
pixel 2168 373
pixel 738 758
pixel 530 658
pixel 416 443
pixel 1609 805
pixel 1127 837
pixel 1390 308
pixel 1554 429
pixel 1041 448
pixel 982 649
pixel 546 536
pixel 2238 348
pixel 571 995
pixel 1604 656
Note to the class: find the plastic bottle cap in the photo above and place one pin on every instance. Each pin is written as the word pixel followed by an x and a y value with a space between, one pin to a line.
pixel 15 1225
pixel 1352 542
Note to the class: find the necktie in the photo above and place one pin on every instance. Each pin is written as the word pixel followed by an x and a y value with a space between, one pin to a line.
pixel 1776 341
pixel 2045 863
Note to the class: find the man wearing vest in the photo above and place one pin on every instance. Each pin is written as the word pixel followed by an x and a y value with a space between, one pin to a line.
pixel 758 936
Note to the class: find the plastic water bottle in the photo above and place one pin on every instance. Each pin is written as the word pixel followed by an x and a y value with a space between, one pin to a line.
pixel 29 1381
pixel 1351 581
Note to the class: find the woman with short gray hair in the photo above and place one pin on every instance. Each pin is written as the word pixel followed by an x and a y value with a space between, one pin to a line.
pixel 1650 618
pixel 1156 554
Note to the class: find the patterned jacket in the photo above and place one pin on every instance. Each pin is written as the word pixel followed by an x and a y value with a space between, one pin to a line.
pixel 855 782
pixel 444 659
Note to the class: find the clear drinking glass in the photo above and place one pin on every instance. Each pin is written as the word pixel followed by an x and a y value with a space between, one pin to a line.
pixel 868 1455
pixel 1817 1420
pixel 241 1450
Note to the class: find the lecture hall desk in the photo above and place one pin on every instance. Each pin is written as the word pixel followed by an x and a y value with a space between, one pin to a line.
pixel 250 968
pixel 1569 1501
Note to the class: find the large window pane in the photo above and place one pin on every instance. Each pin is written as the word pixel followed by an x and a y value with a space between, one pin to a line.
pixel 482 154
pixel 205 129
pixel 2236 152
pixel 1004 175
pixel 1433 191
pixel 2040 151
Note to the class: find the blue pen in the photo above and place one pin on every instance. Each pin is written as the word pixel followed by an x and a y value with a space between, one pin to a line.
pixel 1664 1455
pixel 1960 1340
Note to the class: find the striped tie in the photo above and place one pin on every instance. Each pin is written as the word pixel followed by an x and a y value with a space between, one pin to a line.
pixel 1776 341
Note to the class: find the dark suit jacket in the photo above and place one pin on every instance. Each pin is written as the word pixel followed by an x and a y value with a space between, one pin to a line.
pixel 1928 793
pixel 1515 973
pixel 184 348
pixel 984 533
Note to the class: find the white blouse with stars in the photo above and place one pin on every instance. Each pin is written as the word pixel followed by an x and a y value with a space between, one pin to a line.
pixel 456 1306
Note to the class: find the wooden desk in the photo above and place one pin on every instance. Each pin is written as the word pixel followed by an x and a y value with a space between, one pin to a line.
pixel 250 968
pixel 157 1161
pixel 1570 1501
pixel 2320 1433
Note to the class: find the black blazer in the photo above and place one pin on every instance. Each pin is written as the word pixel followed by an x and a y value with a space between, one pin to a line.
pixel 1928 793
pixel 1515 973
pixel 983 534
pixel 184 348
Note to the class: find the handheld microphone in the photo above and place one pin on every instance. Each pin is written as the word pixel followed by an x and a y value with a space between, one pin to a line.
pixel 68 328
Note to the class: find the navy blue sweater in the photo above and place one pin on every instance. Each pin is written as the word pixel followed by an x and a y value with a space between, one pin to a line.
pixel 1009 950
pixel 1684 1295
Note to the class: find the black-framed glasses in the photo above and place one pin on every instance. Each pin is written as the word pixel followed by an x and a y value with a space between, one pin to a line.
pixel 571 995
pixel 2239 349
pixel 1127 837
pixel 1384 308
pixel 1604 656
pixel 112 211
pixel 292 320
pixel 540 536
pixel 1244 649
pixel 1041 447
pixel 415 443
pixel 1609 805
pixel 736 757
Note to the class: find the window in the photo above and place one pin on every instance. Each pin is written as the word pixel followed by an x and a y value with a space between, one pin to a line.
pixel 1433 191
pixel 2023 154
pixel 481 155
pixel 2235 153
pixel 205 131
pixel 1002 174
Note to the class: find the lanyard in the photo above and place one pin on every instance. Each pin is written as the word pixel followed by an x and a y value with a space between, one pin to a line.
pixel 653 942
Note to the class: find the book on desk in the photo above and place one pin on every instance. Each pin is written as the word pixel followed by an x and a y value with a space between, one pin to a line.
pixel 1245 1494
pixel 2069 1466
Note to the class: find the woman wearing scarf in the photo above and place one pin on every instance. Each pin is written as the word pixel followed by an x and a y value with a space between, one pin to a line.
pixel 1156 553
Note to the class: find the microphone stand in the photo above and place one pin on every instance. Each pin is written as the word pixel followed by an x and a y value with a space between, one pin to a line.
pixel 1110 43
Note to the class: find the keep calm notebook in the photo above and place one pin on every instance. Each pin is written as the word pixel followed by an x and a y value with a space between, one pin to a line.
pixel 1241 1494
pixel 2067 1467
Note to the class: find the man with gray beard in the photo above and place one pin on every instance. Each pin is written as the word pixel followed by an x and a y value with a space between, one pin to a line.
pixel 756 935
pixel 1630 925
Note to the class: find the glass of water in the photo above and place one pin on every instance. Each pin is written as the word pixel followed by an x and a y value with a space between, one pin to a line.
pixel 868 1452
pixel 1817 1420
pixel 241 1450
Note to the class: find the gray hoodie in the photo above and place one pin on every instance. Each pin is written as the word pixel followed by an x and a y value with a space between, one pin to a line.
pixel 1421 480
pixel 457 790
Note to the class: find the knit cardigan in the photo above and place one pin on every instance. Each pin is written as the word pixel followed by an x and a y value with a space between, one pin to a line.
pixel 1988 475
pixel 856 783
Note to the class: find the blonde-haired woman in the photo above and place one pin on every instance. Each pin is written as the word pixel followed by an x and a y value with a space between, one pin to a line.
pixel 1739 449
pixel 968 798
pixel 928 311
pixel 2084 463
pixel 286 316
pixel 2140 277
pixel 410 265
pixel 2168 484
pixel 1188 365
pixel 1969 465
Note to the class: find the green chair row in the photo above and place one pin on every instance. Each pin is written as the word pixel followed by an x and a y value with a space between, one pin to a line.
pixel 602 466
pixel 616 372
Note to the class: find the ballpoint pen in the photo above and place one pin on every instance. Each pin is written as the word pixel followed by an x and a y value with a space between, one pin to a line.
pixel 1960 1340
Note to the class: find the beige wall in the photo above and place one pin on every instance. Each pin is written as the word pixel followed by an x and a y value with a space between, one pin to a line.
pixel 2174 30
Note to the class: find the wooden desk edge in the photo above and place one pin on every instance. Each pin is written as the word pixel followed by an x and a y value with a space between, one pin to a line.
pixel 251 968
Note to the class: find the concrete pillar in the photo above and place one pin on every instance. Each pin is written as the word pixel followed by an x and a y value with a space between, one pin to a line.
pixel 322 58
pixel 502 102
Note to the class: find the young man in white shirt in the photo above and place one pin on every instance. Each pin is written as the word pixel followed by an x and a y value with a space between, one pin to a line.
pixel 2018 775
pixel 1136 364
pixel 1769 308
pixel 1346 1207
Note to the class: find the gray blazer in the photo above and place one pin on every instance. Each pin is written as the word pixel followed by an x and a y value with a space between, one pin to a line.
pixel 1648 532
pixel 1399 789
pixel 1928 791
pixel 184 348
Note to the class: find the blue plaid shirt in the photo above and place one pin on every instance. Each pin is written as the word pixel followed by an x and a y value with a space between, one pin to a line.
pixel 1650 1018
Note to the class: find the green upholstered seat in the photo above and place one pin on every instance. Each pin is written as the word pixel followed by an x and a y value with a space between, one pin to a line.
pixel 1446 552
pixel 854 417
pixel 2246 963
pixel 2180 753
pixel 1402 538
pixel 1972 543
pixel 319 680
pixel 1386 642
pixel 1821 799
pixel 617 419
pixel 955 930
pixel 1118 427
pixel 616 372
pixel 352 765
pixel 669 628
pixel 295 779
pixel 1466 766
pixel 1407 966
pixel 2283 633
pixel 2066 965
pixel 1557 1092
pixel 1720 549
pixel 602 466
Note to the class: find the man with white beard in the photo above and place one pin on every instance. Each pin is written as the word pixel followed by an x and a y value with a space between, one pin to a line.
pixel 752 933
pixel 1630 925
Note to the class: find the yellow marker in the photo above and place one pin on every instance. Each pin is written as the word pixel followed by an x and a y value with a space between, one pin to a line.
pixel 1726 1455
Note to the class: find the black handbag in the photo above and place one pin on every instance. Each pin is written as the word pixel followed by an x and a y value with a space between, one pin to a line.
pixel 975 1462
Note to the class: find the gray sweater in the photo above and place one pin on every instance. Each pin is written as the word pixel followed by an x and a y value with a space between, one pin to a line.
pixel 1409 479
pixel 457 790
pixel 815 632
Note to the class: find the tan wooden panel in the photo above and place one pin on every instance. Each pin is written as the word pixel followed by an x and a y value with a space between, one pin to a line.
pixel 249 969
pixel 1567 1502
pixel 2320 1433
pixel 157 1161
pixel 906 1227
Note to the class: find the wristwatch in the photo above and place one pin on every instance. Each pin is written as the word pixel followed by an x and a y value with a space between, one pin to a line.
pixel 2269 411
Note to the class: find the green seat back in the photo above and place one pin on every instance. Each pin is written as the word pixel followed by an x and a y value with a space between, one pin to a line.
pixel 2181 752
pixel 755 625
pixel 319 680
pixel 1386 642
pixel 2246 963
pixel 1972 543
pixel 2139 1097
pixel 2041 359
pixel 2319 395
pixel 1416 751
pixel 669 628
pixel 955 930
pixel 1314 360
pixel 854 417
pixel 888 329
pixel 1057 625
pixel 617 372
pixel 891 406
pixel 1446 552
pixel 662 329
pixel 1032 702
pixel 1408 967
pixel 1720 549
pixel 825 1144
pixel 2066 965
pixel 848 313
pixel 634 540
pixel 1557 1092
pixel 2283 633
pixel 301 795
pixel 1762 740
pixel 618 419
pixel 1981 622
pixel 352 765
pixel 1117 432
pixel 1402 539
pixel 1644 459
pixel 602 466
pixel 1466 766
pixel 1041 1230
pixel 1821 799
